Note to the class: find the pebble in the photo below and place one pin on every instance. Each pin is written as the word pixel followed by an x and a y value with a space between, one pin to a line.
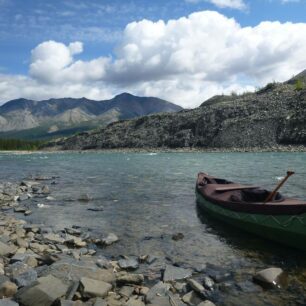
pixel 7 289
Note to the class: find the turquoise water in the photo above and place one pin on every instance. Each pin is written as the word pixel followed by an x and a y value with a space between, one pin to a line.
pixel 148 197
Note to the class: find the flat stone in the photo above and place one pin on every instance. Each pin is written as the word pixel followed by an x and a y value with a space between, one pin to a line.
pixel 129 278
pixel 23 197
pixel 84 197
pixel 134 302
pixel 6 249
pixel 77 269
pixel 110 239
pixel 206 303
pixel 54 238
pixel 196 286
pixel 191 298
pixel 7 289
pixel 128 264
pixel 20 209
pixel 93 288
pixel 44 293
pixel 100 302
pixel 173 273
pixel 269 278
pixel 26 279
pixel 17 268
pixel 159 289
pixel 126 291
pixel 8 302
pixel 22 243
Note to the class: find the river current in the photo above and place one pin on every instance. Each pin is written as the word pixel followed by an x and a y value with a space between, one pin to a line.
pixel 146 198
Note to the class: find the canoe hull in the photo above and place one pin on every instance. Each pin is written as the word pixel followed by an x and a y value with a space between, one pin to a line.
pixel 286 229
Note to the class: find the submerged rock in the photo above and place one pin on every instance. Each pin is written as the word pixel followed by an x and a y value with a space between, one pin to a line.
pixel 128 264
pixel 271 277
pixel 110 239
pixel 175 273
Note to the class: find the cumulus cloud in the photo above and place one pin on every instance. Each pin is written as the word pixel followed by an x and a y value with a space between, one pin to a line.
pixel 186 61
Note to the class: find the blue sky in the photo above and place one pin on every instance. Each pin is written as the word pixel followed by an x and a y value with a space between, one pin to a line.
pixel 108 43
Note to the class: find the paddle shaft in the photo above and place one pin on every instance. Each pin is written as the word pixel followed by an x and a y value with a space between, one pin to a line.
pixel 273 193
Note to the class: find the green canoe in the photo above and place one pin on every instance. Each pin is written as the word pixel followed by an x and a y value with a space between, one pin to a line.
pixel 282 220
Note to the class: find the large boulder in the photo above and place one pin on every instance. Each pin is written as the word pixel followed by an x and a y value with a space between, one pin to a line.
pixel 45 293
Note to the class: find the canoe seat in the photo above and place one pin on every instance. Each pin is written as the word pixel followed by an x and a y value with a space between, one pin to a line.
pixel 237 187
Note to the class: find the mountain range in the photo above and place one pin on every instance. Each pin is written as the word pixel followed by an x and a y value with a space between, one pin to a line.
pixel 29 119
pixel 269 118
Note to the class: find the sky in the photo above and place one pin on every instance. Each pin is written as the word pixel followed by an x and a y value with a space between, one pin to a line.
pixel 184 51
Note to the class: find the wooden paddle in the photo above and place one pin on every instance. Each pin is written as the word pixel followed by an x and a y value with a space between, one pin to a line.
pixel 282 182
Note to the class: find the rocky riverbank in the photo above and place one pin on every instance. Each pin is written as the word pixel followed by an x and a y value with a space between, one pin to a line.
pixel 40 265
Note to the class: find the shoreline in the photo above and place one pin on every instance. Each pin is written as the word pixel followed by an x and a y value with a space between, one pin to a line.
pixel 273 149
pixel 60 265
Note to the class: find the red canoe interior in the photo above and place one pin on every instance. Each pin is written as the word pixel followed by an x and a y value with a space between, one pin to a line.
pixel 246 198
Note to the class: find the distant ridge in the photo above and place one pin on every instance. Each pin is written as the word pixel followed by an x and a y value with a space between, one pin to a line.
pixel 271 118
pixel 23 118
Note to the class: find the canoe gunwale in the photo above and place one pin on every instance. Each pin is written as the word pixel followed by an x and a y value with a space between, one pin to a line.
pixel 285 207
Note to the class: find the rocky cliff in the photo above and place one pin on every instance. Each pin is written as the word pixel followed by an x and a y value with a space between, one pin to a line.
pixel 272 116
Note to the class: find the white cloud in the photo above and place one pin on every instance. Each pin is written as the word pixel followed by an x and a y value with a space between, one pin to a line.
pixel 185 61
pixel 233 4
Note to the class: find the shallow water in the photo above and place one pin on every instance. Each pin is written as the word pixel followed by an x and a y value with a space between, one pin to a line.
pixel 146 198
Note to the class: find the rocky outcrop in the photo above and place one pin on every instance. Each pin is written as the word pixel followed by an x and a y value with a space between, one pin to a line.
pixel 271 117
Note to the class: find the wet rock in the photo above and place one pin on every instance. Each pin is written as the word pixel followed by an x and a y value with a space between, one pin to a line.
pixel 95 208
pixel 135 302
pixel 175 273
pixel 180 287
pixel 197 287
pixel 16 269
pixel 27 212
pixel 92 288
pixel 23 197
pixel 248 287
pixel 84 197
pixel 78 269
pixel 100 302
pixel 7 289
pixel 8 302
pixel 102 262
pixel 53 238
pixel 20 209
pixel 129 278
pixel 160 289
pixel 45 292
pixel 269 278
pixel 49 198
pixel 22 243
pixel 206 303
pixel 73 231
pixel 208 283
pixel 6 249
pixel 151 258
pixel 3 279
pixel 26 278
pixel 110 239
pixel 126 291
pixel 178 236
pixel 128 264
pixel 191 298
pixel 45 189
pixel 218 274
